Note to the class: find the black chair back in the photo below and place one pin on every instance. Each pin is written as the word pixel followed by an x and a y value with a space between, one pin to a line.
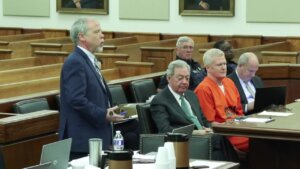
pixel 143 89
pixel 31 105
pixel 117 94
pixel 147 125
pixel 2 162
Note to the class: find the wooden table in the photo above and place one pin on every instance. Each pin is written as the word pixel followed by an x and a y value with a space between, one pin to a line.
pixel 274 145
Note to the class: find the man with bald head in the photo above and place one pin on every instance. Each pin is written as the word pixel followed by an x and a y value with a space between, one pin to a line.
pixel 246 81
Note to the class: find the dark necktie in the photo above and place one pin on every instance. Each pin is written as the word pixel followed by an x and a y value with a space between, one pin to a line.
pixel 190 114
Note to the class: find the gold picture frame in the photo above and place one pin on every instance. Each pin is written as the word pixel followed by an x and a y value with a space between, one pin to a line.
pixel 206 8
pixel 99 7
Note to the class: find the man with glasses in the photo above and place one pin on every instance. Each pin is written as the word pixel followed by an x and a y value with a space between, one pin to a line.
pixel 246 81
pixel 218 97
pixel 184 51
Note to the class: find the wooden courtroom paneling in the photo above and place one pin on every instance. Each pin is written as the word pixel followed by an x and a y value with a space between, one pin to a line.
pixel 5 54
pixel 20 37
pixel 122 69
pixel 17 63
pixel 4 31
pixel 30 73
pixel 26 152
pixel 282 75
pixel 22 137
pixel 160 56
pixel 279 57
pixel 6 103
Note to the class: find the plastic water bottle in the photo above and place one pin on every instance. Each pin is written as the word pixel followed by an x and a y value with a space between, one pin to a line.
pixel 118 142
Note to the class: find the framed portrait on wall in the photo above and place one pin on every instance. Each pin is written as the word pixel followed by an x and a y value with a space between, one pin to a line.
pixel 206 7
pixel 82 6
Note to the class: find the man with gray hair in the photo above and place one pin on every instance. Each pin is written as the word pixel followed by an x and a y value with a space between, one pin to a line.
pixel 86 107
pixel 245 79
pixel 176 106
pixel 166 106
pixel 184 51
pixel 219 98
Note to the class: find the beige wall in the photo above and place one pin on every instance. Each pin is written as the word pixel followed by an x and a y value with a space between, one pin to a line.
pixel 176 23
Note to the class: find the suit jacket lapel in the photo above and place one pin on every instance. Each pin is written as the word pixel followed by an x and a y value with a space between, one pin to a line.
pixel 91 66
pixel 175 104
pixel 240 88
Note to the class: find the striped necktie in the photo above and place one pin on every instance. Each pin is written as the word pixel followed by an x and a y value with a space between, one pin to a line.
pixel 101 77
pixel 189 113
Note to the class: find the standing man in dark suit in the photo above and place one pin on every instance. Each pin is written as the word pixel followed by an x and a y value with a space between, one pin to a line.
pixel 176 106
pixel 86 109
pixel 246 81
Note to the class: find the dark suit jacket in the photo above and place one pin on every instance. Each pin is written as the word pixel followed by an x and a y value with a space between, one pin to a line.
pixel 257 82
pixel 167 113
pixel 84 103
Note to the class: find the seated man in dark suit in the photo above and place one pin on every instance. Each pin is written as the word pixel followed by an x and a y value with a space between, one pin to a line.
pixel 176 106
pixel 245 80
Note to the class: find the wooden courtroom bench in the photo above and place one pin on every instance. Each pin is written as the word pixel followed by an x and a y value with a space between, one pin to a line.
pixel 4 40
pixel 23 49
pixel 23 135
pixel 280 57
pixel 6 104
pixel 283 46
pixel 5 53
pixel 123 69
pixel 108 59
pixel 161 54
pixel 30 73
pixel 17 63
pixel 109 44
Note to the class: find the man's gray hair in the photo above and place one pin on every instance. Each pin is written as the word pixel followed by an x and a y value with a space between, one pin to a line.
pixel 79 26
pixel 210 54
pixel 244 58
pixel 183 39
pixel 176 64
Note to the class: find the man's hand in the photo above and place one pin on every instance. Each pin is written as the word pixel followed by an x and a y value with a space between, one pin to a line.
pixel 112 116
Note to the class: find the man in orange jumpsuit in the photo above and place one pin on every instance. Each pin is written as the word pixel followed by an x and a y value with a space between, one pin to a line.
pixel 218 96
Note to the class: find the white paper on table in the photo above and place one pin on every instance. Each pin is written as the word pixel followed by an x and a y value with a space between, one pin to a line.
pixel 211 164
pixel 143 156
pixel 269 113
pixel 83 161
pixel 257 120
pixel 297 100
